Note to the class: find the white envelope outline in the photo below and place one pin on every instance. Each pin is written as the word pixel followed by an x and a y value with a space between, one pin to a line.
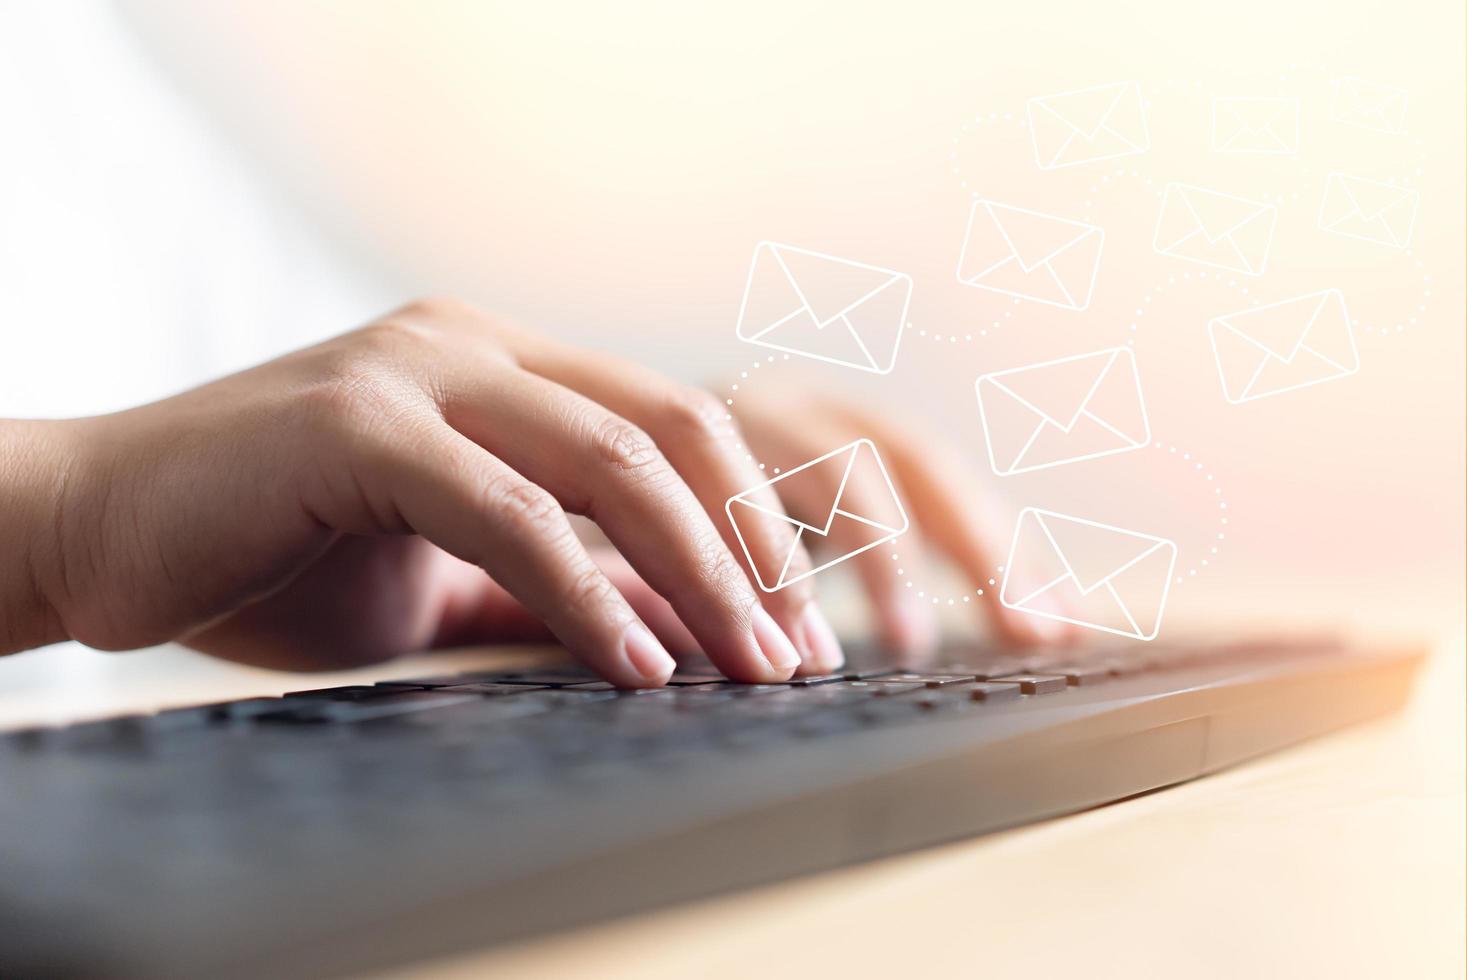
pixel 1111 365
pixel 1024 603
pixel 1369 105
pixel 1255 125
pixel 999 256
pixel 1384 221
pixel 1185 200
pixel 748 499
pixel 1070 128
pixel 1321 313
pixel 837 317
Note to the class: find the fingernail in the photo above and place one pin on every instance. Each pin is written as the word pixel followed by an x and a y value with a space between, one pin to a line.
pixel 646 655
pixel 818 641
pixel 773 644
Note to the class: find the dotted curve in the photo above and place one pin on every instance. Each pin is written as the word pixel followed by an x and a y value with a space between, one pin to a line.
pixel 729 403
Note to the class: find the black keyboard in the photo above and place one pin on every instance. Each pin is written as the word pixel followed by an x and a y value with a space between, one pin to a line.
pixel 334 829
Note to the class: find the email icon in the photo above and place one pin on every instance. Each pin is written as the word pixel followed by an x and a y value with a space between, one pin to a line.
pixel 1030 255
pixel 1097 123
pixel 1063 411
pixel 1215 229
pixel 1089 574
pixel 1369 210
pixel 1268 350
pixel 1253 125
pixel 1369 105
pixel 826 479
pixel 823 307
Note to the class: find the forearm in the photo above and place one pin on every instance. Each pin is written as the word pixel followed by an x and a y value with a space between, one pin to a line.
pixel 36 460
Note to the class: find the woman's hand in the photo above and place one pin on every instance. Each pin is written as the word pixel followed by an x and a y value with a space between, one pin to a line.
pixel 943 497
pixel 340 505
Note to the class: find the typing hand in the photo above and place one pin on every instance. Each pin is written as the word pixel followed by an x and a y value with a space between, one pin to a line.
pixel 336 507
pixel 340 506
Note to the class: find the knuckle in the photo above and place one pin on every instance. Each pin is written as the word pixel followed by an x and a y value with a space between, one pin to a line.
pixel 530 508
pixel 368 379
pixel 624 447
pixel 350 405
pixel 588 588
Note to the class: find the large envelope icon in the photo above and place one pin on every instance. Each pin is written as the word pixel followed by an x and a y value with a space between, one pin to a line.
pixel 825 479
pixel 1253 125
pixel 1063 411
pixel 1215 229
pixel 1298 342
pixel 1089 574
pixel 1097 123
pixel 1369 105
pixel 1031 255
pixel 827 308
pixel 1369 209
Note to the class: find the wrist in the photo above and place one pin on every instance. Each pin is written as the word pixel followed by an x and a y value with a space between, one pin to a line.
pixel 37 462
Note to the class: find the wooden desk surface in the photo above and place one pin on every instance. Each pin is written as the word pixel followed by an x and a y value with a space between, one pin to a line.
pixel 1341 858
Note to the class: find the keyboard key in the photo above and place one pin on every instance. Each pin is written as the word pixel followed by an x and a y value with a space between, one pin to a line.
pixel 447 680
pixel 930 680
pixel 849 692
pixel 727 689
pixel 492 690
pixel 223 711
pixel 885 687
pixel 541 678
pixel 1083 675
pixel 1036 683
pixel 866 674
pixel 683 678
pixel 812 680
pixel 350 693
pixel 991 691
pixel 607 686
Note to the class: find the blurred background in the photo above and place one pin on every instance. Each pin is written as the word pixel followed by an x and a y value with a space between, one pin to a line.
pixel 189 189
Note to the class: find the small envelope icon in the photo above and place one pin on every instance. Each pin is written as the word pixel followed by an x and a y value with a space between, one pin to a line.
pixel 1215 229
pixel 1102 577
pixel 1033 256
pixel 1249 125
pixel 1298 342
pixel 1369 210
pixel 1097 123
pixel 823 307
pixel 1063 411
pixel 825 478
pixel 1369 105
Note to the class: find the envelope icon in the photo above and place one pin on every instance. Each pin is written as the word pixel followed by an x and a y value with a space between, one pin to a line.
pixel 1215 229
pixel 823 307
pixel 1031 255
pixel 1097 123
pixel 1369 105
pixel 1089 574
pixel 1063 411
pixel 1249 125
pixel 825 479
pixel 1298 342
pixel 1371 210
